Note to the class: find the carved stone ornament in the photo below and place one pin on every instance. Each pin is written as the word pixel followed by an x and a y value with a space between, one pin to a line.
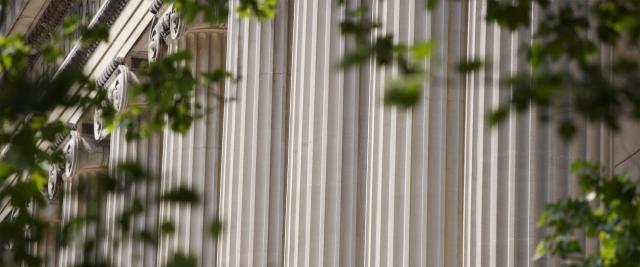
pixel 177 24
pixel 82 155
pixel 99 131
pixel 117 91
pixel 170 24
pixel 14 214
pixel 109 70
pixel 70 151
pixel 155 6
pixel 106 16
pixel 52 183
pixel 156 44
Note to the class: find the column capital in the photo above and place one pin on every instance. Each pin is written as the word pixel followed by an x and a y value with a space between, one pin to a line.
pixel 82 155
pixel 170 25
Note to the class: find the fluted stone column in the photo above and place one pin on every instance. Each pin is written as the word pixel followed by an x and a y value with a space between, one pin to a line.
pixel 84 157
pixel 192 159
pixel 120 248
pixel 128 249
pixel 511 171
pixel 413 207
pixel 51 212
pixel 68 255
pixel 252 184
pixel 324 114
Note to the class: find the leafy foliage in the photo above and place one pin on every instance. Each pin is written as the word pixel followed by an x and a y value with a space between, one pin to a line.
pixel 404 90
pixel 182 260
pixel 567 74
pixel 181 194
pixel 264 9
pixel 609 214
pixel 217 11
pixel 470 65
pixel 215 228
pixel 583 65
pixel 568 34
pixel 29 132
pixel 167 97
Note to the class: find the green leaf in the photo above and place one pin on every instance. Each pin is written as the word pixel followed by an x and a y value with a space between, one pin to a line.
pixel 217 75
pixel 470 65
pixel 215 228
pixel 50 52
pixel 607 247
pixel 498 116
pixel 39 178
pixel 541 251
pixel 404 92
pixel 422 50
pixel 577 166
pixel 181 260
pixel 98 33
pixel 509 14
pixel 149 237
pixel 71 24
pixel 567 130
pixel 431 4
pixel 167 227
pixel 535 55
pixel 6 170
pixel 131 171
pixel 261 9
pixel 182 194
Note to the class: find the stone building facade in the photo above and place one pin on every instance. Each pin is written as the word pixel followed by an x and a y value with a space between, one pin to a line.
pixel 305 166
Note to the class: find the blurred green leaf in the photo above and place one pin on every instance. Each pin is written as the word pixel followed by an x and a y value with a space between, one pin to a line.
pixel 497 116
pixel 431 4
pixel 181 260
pixel 261 9
pixel 215 228
pixel 422 50
pixel 181 194
pixel 98 33
pixel 470 65
pixel 567 130
pixel 612 222
pixel 217 75
pixel 71 24
pixel 167 227
pixel 404 92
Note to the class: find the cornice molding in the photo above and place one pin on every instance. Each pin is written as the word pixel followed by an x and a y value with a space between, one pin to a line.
pixel 155 6
pixel 83 155
pixel 118 89
pixel 71 154
pixel 126 28
pixel 157 46
pixel 168 25
pixel 53 181
pixel 117 93
pixel 51 18
pixel 106 74
pixel 105 16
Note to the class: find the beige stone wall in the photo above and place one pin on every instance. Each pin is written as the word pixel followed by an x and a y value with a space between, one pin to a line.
pixel 252 185
pixel 305 166
pixel 192 159
pixel 626 145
